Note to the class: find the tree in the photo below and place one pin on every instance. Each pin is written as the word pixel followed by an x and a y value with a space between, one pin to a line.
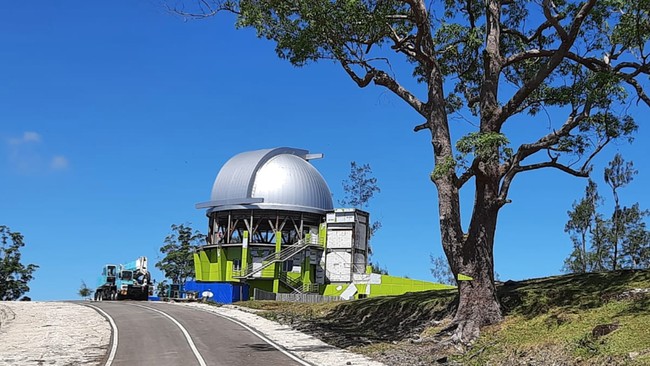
pixel 441 271
pixel 179 248
pixel 579 227
pixel 625 230
pixel 490 62
pixel 14 276
pixel 359 188
pixel 378 269
pixel 635 238
pixel 617 175
pixel 84 291
pixel 162 290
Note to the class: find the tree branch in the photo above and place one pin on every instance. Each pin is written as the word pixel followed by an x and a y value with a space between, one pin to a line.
pixel 553 21
pixel 553 164
pixel 207 10
pixel 512 168
pixel 535 53
pixel 420 127
pixel 639 89
pixel 383 79
pixel 361 82
pixel 538 32
pixel 513 104
pixel 467 175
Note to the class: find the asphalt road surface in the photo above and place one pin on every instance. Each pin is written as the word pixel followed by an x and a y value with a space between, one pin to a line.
pixel 150 333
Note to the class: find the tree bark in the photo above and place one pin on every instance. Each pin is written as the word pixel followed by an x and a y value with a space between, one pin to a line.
pixel 478 304
pixel 471 254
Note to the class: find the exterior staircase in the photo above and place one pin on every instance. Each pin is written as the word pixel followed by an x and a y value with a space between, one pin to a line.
pixel 280 256
pixel 297 285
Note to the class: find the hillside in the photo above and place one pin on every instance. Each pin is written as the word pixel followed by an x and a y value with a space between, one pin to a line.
pixel 585 319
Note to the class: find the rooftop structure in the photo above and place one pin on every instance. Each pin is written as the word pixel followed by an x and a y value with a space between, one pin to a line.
pixel 280 178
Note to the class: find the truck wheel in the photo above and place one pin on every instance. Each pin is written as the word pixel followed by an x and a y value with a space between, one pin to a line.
pixel 99 296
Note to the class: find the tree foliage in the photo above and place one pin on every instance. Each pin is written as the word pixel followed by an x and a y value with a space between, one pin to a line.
pixel 14 275
pixel 360 188
pixel 179 248
pixel 582 62
pixel 441 271
pixel 378 268
pixel 162 289
pixel 84 290
pixel 583 219
pixel 600 244
pixel 618 175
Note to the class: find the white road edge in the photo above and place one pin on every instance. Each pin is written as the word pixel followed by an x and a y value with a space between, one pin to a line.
pixel 261 336
pixel 196 352
pixel 111 355
pixel 306 348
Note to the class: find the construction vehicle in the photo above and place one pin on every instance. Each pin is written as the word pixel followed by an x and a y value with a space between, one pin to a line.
pixel 130 281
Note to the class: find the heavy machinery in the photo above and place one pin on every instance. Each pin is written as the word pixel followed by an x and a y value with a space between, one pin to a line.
pixel 124 281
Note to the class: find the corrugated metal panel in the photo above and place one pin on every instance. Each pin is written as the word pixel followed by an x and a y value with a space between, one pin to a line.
pixel 234 177
pixel 290 180
pixel 281 177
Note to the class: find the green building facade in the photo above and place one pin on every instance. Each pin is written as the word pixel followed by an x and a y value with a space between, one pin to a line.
pixel 272 225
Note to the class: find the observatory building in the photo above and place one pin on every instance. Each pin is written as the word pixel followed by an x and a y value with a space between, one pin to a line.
pixel 272 227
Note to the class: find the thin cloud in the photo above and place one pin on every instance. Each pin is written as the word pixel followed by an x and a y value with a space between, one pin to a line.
pixel 59 162
pixel 27 137
pixel 28 154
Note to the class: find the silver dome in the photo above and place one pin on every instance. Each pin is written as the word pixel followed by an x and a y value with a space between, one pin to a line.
pixel 280 178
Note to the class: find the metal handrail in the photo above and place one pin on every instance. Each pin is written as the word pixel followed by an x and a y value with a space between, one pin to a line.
pixel 295 285
pixel 280 256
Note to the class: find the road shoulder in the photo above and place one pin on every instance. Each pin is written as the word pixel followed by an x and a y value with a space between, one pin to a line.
pixel 53 333
pixel 304 346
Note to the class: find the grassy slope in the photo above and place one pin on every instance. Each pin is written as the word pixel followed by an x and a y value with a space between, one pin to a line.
pixel 548 321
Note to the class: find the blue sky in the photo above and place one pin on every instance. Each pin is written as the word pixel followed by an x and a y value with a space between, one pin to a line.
pixel 116 117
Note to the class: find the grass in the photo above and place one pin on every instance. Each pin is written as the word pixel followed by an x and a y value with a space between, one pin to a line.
pixel 548 320
pixel 560 313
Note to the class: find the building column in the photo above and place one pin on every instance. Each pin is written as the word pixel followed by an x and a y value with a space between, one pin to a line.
pixel 244 251
pixel 306 269
pixel 277 265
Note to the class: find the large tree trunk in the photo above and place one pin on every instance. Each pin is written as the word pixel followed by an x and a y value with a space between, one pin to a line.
pixel 478 304
pixel 472 255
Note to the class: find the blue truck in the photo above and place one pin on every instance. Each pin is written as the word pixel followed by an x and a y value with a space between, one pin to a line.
pixel 130 281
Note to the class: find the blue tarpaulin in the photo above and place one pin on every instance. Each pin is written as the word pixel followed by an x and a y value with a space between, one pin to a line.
pixel 222 292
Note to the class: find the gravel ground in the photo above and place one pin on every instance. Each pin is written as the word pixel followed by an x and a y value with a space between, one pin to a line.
pixel 51 333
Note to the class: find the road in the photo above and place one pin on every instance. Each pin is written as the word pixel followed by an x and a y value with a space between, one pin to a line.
pixel 150 333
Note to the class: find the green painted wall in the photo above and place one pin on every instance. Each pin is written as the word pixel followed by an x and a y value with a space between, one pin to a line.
pixel 244 251
pixel 215 264
pixel 198 269
pixel 322 234
pixel 390 286
pixel 278 265
pixel 265 285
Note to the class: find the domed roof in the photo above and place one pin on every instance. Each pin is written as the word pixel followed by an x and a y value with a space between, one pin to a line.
pixel 280 178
